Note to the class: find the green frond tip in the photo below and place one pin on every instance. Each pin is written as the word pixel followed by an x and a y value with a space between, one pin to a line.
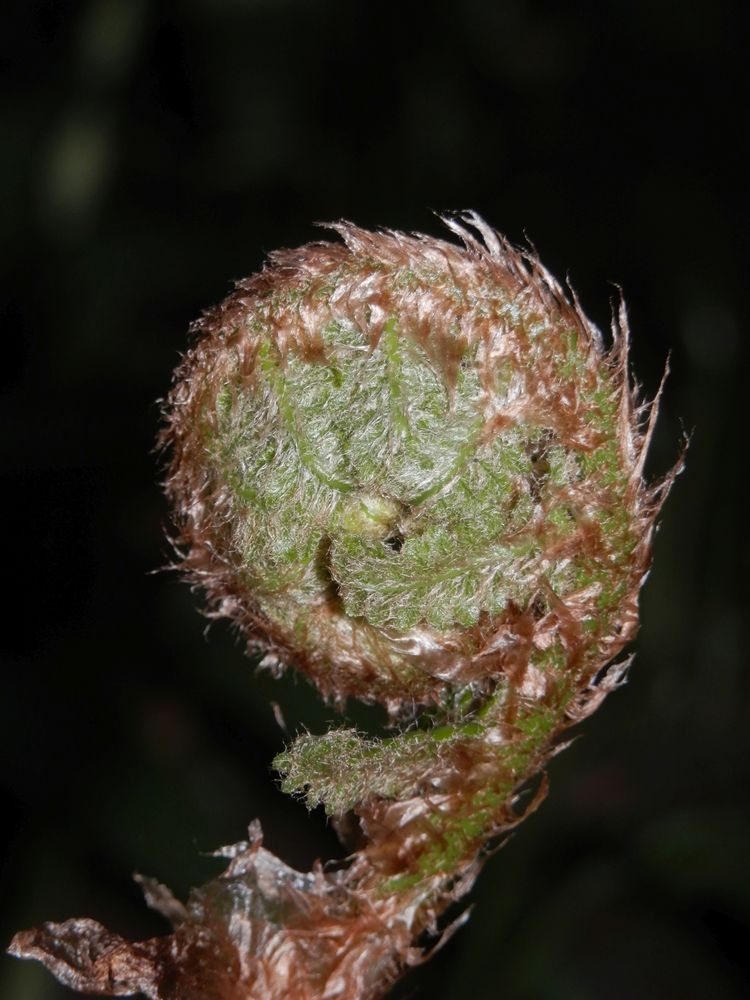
pixel 383 450
pixel 342 769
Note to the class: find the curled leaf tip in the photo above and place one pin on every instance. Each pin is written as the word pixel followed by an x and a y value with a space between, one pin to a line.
pixel 411 469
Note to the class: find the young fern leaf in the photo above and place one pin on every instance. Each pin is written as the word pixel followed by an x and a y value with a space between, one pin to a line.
pixel 411 470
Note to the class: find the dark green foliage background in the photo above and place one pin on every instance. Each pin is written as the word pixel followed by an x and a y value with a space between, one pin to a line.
pixel 152 152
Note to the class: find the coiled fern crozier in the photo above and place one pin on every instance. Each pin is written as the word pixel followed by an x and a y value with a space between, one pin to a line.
pixel 412 470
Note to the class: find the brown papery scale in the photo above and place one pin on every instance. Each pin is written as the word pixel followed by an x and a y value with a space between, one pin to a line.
pixel 412 470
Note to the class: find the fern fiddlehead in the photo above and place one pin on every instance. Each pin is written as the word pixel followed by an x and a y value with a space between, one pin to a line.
pixel 410 469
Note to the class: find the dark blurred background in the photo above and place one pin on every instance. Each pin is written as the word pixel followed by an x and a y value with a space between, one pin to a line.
pixel 152 153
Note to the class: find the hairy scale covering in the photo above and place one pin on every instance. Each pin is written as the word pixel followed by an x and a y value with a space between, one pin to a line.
pixel 388 450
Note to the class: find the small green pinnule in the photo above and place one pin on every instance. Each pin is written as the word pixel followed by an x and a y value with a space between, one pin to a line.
pixel 412 470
